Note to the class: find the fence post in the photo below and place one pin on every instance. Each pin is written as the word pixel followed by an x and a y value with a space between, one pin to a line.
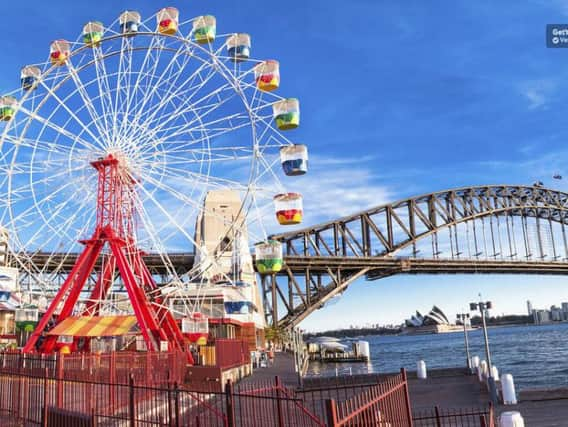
pixel 59 368
pixel 170 409
pixel 438 419
pixel 407 397
pixel 230 404
pixel 176 403
pixel 45 397
pixel 483 421
pixel 112 378
pixel 279 401
pixel 131 401
pixel 331 411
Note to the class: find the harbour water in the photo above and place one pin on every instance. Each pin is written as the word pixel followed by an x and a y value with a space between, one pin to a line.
pixel 536 356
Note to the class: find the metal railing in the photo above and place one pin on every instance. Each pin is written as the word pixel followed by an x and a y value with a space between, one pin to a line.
pixel 464 417
pixel 384 404
pixel 30 399
pixel 116 367
pixel 230 353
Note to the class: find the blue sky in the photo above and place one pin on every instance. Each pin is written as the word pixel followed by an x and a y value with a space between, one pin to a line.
pixel 398 99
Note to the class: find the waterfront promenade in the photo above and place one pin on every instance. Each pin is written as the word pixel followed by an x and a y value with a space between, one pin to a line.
pixel 282 367
pixel 449 389
pixel 454 389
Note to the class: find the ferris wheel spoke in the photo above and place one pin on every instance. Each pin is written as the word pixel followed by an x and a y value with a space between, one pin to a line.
pixel 209 154
pixel 53 126
pixel 105 97
pixel 165 78
pixel 195 106
pixel 166 212
pixel 122 74
pixel 188 102
pixel 58 253
pixel 88 103
pixel 70 112
pixel 137 96
pixel 202 179
pixel 180 92
pixel 48 146
pixel 62 228
pixel 53 176
pixel 210 133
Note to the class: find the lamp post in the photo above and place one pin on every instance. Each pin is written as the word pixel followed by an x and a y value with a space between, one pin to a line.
pixel 483 307
pixel 464 318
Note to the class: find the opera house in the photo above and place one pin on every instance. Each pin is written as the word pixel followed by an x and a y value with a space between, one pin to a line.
pixel 434 322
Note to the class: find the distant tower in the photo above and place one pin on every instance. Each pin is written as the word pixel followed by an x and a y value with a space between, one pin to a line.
pixel 529 308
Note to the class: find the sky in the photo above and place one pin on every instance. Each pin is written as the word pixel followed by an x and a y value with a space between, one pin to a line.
pixel 398 99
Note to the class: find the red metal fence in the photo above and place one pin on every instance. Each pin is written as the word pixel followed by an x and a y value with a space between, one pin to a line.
pixel 384 404
pixel 147 368
pixel 231 353
pixel 31 399
pixel 465 417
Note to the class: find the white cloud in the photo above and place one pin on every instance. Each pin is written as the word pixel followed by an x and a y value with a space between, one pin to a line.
pixel 537 92
pixel 340 186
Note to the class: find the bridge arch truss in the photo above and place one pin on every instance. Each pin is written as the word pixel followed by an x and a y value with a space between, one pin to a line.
pixel 487 229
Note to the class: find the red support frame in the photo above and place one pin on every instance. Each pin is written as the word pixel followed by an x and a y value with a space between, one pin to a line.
pixel 115 227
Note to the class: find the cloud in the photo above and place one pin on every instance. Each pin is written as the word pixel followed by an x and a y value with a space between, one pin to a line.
pixel 337 187
pixel 537 92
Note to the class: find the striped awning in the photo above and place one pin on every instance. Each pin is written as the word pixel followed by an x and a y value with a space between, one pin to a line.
pixel 96 326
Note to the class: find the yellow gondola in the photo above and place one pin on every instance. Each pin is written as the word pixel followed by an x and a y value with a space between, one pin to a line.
pixel 59 52
pixel 267 75
pixel 168 20
pixel 289 208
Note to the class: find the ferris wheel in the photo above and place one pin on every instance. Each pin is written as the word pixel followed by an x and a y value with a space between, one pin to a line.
pixel 175 110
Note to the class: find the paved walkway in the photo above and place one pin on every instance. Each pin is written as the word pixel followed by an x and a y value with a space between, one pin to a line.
pixel 456 390
pixel 282 367
pixel 548 408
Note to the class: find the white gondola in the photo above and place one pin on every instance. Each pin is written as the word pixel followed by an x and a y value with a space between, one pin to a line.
pixel 129 22
pixel 294 159
pixel 29 77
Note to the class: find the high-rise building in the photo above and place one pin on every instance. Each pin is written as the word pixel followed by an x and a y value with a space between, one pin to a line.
pixel 530 308
pixel 565 311
pixel 555 314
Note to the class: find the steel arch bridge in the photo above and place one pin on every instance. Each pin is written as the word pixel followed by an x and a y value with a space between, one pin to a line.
pixel 497 229
pixel 488 229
